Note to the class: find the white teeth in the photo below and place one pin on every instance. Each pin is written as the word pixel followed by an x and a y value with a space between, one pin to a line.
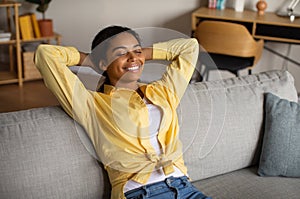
pixel 133 68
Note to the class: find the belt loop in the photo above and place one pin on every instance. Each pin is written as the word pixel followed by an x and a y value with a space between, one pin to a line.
pixel 168 182
pixel 146 192
pixel 184 180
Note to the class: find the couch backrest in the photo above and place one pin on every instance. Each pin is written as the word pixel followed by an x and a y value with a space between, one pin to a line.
pixel 42 156
pixel 221 122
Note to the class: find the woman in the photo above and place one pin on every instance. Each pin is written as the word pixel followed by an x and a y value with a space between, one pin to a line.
pixel 133 126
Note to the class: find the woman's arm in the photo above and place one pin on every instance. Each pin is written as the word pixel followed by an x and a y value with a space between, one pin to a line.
pixel 53 61
pixel 83 57
pixel 85 61
pixel 148 52
pixel 183 54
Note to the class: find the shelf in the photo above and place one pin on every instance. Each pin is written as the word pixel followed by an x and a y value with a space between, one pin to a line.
pixel 20 73
pixel 10 42
pixel 8 77
pixel 9 4
pixel 56 37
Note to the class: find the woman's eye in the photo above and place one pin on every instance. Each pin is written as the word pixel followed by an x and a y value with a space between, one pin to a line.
pixel 121 54
pixel 138 51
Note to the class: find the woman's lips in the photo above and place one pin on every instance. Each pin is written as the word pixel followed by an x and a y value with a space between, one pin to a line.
pixel 133 68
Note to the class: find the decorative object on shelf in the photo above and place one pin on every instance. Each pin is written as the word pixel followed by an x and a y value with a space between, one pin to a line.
pixel 239 5
pixel 212 4
pixel 261 6
pixel 45 25
pixel 30 70
pixel 217 4
pixel 221 4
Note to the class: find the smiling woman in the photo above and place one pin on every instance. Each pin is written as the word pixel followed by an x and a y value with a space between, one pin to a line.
pixel 133 126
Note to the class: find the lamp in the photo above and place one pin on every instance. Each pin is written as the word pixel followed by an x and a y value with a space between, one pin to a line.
pixel 289 9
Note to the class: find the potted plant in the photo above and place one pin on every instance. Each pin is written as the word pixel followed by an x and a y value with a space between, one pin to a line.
pixel 45 25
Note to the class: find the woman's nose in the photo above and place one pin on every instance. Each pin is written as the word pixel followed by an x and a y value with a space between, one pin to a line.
pixel 132 56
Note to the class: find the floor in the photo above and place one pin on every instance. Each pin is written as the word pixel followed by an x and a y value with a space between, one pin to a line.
pixel 33 94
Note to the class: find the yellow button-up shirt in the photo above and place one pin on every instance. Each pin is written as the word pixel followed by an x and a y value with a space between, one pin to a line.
pixel 117 120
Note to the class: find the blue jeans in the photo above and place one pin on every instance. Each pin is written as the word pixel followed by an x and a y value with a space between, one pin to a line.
pixel 170 188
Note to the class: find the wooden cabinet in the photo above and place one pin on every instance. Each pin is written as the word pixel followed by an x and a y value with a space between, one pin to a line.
pixel 15 71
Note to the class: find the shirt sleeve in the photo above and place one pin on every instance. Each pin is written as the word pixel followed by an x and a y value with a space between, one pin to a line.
pixel 183 54
pixel 52 62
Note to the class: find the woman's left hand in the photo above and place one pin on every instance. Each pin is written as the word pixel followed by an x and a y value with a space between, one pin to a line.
pixel 148 52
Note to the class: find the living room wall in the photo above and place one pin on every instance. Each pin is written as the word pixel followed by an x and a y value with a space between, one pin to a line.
pixel 78 22
pixel 83 19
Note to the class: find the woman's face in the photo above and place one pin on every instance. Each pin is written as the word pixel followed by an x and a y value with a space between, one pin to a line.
pixel 124 60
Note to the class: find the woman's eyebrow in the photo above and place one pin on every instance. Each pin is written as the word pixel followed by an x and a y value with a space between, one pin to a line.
pixel 123 47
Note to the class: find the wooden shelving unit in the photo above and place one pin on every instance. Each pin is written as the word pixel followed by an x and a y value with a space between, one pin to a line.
pixel 15 73
pixel 12 76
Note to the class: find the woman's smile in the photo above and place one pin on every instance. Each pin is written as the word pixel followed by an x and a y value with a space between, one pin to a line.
pixel 133 68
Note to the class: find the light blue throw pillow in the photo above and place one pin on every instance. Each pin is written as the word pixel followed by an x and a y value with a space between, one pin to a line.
pixel 281 143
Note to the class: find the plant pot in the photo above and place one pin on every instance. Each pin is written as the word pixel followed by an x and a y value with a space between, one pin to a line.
pixel 46 27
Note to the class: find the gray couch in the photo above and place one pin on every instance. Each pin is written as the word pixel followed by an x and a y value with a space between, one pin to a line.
pixel 45 154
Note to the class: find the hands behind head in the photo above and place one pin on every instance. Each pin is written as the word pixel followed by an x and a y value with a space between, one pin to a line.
pixel 85 60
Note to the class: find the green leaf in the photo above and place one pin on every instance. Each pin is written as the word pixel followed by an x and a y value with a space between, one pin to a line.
pixel 42 8
pixel 39 2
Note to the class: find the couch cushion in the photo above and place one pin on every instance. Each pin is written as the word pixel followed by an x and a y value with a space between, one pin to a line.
pixel 221 121
pixel 281 144
pixel 42 156
pixel 246 184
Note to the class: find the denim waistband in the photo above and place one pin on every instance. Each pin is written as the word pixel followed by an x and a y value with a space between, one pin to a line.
pixel 157 187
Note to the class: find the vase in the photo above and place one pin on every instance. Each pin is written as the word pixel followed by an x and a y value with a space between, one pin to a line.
pixel 46 27
pixel 261 6
pixel 239 5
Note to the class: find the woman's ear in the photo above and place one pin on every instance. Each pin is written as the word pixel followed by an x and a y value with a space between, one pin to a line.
pixel 102 65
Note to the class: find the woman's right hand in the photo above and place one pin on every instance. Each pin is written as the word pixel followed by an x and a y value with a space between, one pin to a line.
pixel 84 60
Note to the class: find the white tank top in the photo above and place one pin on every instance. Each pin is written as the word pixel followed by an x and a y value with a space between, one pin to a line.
pixel 155 115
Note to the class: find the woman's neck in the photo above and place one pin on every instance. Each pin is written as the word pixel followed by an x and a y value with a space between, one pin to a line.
pixel 128 85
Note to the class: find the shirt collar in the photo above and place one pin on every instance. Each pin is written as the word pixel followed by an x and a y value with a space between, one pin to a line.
pixel 108 89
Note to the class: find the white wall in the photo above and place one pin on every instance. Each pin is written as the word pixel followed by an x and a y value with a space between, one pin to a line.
pixel 78 21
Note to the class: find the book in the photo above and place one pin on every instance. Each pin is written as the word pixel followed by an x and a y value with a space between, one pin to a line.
pixel 26 27
pixel 35 25
pixel 5 36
